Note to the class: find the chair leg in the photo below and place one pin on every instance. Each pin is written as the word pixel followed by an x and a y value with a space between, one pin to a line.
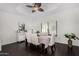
pixel 42 48
pixel 53 49
pixel 45 51
pixel 31 45
pixel 26 43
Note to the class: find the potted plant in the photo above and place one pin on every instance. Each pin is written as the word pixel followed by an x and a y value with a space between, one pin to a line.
pixel 70 37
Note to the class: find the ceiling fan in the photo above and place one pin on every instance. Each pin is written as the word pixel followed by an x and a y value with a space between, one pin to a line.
pixel 35 7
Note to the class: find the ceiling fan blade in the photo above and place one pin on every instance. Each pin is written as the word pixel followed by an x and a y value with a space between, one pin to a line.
pixel 29 6
pixel 40 9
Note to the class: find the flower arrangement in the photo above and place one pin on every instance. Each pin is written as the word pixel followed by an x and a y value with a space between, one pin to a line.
pixel 70 36
pixel 21 27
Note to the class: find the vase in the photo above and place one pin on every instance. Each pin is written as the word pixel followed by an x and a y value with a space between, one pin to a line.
pixel 70 43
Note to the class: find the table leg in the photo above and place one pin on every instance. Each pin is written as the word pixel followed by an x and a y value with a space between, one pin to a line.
pixel 53 49
pixel 26 43
pixel 42 48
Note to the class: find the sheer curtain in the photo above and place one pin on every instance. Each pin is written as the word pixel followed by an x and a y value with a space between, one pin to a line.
pixel 44 27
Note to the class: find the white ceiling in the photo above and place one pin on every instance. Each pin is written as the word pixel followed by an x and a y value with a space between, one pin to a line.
pixel 49 8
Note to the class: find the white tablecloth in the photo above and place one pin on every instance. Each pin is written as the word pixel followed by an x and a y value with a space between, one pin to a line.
pixel 44 40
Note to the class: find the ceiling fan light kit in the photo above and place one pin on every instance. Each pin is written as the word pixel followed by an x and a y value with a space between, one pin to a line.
pixel 36 7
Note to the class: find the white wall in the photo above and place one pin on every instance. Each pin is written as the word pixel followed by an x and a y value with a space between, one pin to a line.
pixel 9 24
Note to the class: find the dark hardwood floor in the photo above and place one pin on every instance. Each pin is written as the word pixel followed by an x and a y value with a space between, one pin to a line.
pixel 19 49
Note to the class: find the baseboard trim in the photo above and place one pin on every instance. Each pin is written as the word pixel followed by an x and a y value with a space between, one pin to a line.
pixel 20 41
pixel 65 44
